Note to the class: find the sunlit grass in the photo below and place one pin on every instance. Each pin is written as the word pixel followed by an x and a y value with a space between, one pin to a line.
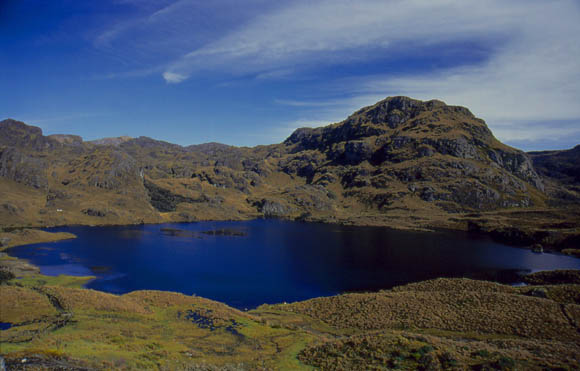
pixel 37 280
pixel 449 322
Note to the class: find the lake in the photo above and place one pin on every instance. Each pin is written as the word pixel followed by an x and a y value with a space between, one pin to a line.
pixel 245 264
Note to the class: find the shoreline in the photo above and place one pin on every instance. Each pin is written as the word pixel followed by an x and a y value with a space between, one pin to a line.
pixel 26 271
pixel 522 236
pixel 57 322
pixel 396 323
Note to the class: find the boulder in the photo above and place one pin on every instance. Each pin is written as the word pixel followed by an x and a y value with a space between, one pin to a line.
pixel 537 248
pixel 272 209
pixel 538 292
pixel 4 241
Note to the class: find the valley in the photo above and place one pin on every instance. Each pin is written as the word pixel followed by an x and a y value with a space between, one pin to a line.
pixel 401 163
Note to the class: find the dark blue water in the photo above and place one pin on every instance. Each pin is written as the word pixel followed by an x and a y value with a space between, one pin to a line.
pixel 270 261
pixel 5 325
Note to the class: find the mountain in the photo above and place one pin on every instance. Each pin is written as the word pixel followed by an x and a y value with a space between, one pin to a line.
pixel 111 141
pixel 402 149
pixel 402 163
pixel 562 165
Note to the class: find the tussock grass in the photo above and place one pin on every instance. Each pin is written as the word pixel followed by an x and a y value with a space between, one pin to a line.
pixel 439 324
pixel 20 304
pixel 38 280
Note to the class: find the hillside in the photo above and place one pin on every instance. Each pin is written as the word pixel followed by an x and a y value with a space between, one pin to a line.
pixel 561 165
pixel 402 163
pixel 443 324
pixel 563 170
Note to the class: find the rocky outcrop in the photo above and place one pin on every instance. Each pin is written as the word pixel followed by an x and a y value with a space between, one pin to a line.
pixel 398 154
pixel 272 208
pixel 67 139
pixel 21 167
pixel 17 134
pixel 519 164
pixel 163 199
pixel 563 165
pixel 95 212
pixel 115 142
pixel 446 148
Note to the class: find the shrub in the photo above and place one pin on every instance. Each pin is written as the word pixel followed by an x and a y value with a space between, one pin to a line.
pixel 447 360
pixel 481 353
pixel 6 275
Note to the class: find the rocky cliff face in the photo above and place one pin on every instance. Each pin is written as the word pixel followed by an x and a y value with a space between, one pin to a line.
pixel 400 157
pixel 562 165
pixel 562 171
pixel 59 179
pixel 439 153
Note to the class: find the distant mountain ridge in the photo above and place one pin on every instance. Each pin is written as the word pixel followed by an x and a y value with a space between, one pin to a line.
pixel 562 164
pixel 114 141
pixel 419 163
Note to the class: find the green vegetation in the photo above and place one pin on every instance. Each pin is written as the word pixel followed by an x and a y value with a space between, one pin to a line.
pixel 38 280
pixel 144 329
pixel 438 324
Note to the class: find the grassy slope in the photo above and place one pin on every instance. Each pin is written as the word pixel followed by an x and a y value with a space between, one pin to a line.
pixel 144 329
pixel 445 323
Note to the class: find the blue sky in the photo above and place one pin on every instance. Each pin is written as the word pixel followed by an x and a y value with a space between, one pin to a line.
pixel 250 72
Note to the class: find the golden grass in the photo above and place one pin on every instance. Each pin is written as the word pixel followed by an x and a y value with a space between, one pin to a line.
pixel 74 299
pixel 150 329
pixel 444 322
pixel 32 236
pixel 20 304
pixel 457 284
pixel 453 310
pixel 38 280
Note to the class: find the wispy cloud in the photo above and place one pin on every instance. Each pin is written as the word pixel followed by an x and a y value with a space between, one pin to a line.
pixel 530 70
pixel 532 74
pixel 534 77
pixel 132 73
pixel 337 31
pixel 173 78
pixel 160 32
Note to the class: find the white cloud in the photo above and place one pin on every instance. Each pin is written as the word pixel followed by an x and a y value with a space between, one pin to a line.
pixel 173 78
pixel 530 71
pixel 338 31
pixel 535 76
pixel 531 131
pixel 161 31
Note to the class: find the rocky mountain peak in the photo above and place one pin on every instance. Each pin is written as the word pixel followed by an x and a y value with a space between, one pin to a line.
pixel 397 116
pixel 67 139
pixel 17 133
pixel 398 154
pixel 405 141
pixel 12 129
pixel 395 111
pixel 112 141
